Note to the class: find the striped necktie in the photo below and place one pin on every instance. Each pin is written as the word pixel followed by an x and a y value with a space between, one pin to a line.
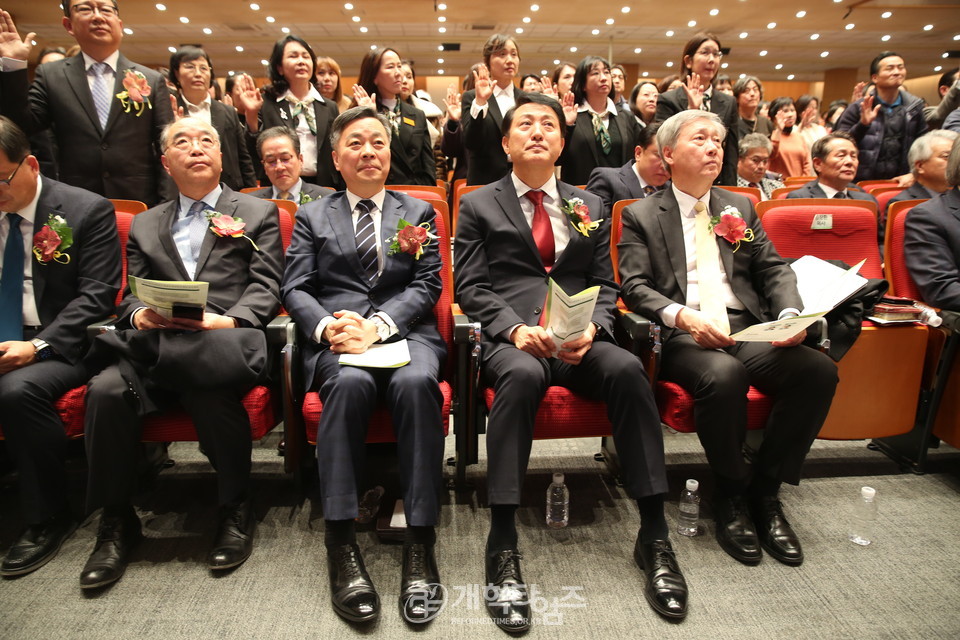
pixel 367 239
pixel 101 92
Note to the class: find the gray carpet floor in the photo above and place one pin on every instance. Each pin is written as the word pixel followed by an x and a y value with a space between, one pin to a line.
pixel 905 585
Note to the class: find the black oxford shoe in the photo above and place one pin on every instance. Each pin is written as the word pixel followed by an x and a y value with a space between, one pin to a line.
pixel 735 530
pixel 506 594
pixel 234 541
pixel 666 589
pixel 351 590
pixel 117 535
pixel 37 546
pixel 776 535
pixel 421 594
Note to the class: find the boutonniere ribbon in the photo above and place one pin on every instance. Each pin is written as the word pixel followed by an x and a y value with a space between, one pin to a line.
pixel 579 215
pixel 731 226
pixel 411 238
pixel 136 92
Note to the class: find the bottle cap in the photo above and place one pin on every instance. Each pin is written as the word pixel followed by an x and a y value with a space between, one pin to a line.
pixel 558 478
pixel 868 493
pixel 692 485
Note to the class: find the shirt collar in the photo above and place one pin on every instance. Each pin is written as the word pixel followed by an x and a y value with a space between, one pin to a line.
pixel 498 91
pixel 377 198
pixel 608 108
pixel 687 202
pixel 204 104
pixel 314 95
pixel 549 187
pixel 895 103
pixel 643 183
pixel 210 199
pixel 294 190
pixel 829 191
pixel 111 61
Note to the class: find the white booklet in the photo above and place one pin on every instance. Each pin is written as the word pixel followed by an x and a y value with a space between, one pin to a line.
pixel 566 317
pixel 171 298
pixel 392 355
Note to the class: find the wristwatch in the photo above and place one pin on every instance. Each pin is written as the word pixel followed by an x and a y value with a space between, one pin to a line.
pixel 383 329
pixel 43 351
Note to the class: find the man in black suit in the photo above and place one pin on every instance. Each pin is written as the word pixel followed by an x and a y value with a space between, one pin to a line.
pixel 483 108
pixel 279 151
pixel 638 179
pixel 204 364
pixel 928 163
pixel 348 290
pixel 47 299
pixel 513 236
pixel 835 161
pixel 675 268
pixel 105 111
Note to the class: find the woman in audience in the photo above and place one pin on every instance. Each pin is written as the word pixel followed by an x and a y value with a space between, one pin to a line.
pixel 810 127
pixel 598 134
pixel 700 63
pixel 670 83
pixel 292 100
pixel 563 78
pixel 790 156
pixel 643 102
pixel 408 93
pixel 832 116
pixel 748 92
pixel 192 73
pixel 379 85
pixel 328 82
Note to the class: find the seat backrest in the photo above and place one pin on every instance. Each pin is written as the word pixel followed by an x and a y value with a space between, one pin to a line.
pixel 616 230
pixel 443 309
pixel 288 215
pixel 870 185
pixel 424 192
pixel 128 206
pixel 792 181
pixel 456 204
pixel 250 189
pixel 883 196
pixel 895 266
pixel 124 220
pixel 751 192
pixel 781 192
pixel 851 235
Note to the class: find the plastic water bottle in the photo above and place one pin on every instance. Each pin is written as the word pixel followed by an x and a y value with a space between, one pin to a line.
pixel 369 505
pixel 558 503
pixel 688 520
pixel 864 517
pixel 928 316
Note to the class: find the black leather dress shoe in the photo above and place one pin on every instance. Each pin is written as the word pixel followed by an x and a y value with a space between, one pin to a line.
pixel 234 541
pixel 351 590
pixel 37 546
pixel 775 533
pixel 421 594
pixel 735 530
pixel 506 594
pixel 666 589
pixel 117 535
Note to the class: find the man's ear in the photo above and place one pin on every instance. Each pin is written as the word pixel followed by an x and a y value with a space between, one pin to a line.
pixel 67 25
pixel 336 159
pixel 817 165
pixel 506 147
pixel 166 164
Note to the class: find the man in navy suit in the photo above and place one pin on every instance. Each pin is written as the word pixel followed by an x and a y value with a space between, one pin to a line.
pixel 348 290
pixel 47 299
pixel 107 144
pixel 279 151
pixel 835 161
pixel 513 236
pixel 928 163
pixel 638 179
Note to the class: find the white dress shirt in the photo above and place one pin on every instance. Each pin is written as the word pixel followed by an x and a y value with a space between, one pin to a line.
pixel 201 110
pixel 308 141
pixel 504 98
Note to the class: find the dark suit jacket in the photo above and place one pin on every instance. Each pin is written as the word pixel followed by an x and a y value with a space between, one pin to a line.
pixel 71 296
pixel 486 161
pixel 244 282
pixel 411 154
pixel 122 161
pixel 932 249
pixel 915 192
pixel 675 101
pixel 501 280
pixel 314 191
pixel 613 185
pixel 238 172
pixel 653 263
pixel 324 275
pixel 813 190
pixel 580 153
pixel 277 114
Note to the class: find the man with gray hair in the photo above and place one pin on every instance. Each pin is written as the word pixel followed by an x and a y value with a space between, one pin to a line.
pixel 203 361
pixel 696 259
pixel 279 150
pixel 754 150
pixel 928 161
pixel 835 161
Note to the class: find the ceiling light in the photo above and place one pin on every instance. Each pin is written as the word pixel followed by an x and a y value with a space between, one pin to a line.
pixel 357 18
pixel 928 27
pixel 771 25
pixel 239 49
pixel 724 65
pixel 271 19
pixel 801 14
pixel 526 20
pixel 692 23
pixel 938 68
pixel 638 50
pixel 670 64
pixel 161 7
pixel 184 19
pixel 439 18
pixel 886 14
pixel 543 72
pixel 849 26
pixel 957 37
pixel 364 29
pixel 814 36
pixel 372 47
pixel 285 30
pixel 126 30
pixel 778 67
pixel 742 75
pixel 440 47
pixel 207 30
pixel 763 53
pixel 790 77
pixel 172 49
pixel 646 74
pixel 348 6
pixel 946 54
pixel 669 34
pixel 439 60
pixel 885 38
pixel 714 12
pixel 595 32
pixel 264 62
pixel 824 54
pixel 442 7
pixel 573 49
pixel 442 30
pixel 743 34
pixel 519 30
pixel 255 6
pixel 534 7
pixel 610 20
pixel 440 71
pixel 625 10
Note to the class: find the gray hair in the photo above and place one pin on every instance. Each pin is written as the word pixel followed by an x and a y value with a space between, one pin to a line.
pixel 279 131
pixel 922 148
pixel 354 114
pixel 953 164
pixel 754 141
pixel 193 123
pixel 669 131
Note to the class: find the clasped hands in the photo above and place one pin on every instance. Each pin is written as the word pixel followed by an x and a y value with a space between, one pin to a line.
pixel 350 332
pixel 706 334
pixel 537 342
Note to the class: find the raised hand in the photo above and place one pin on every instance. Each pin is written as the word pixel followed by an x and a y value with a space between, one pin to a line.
pixel 547 88
pixel 858 91
pixel 362 98
pixel 175 106
pixel 694 91
pixel 11 44
pixel 250 100
pixel 482 84
pixel 868 112
pixel 454 108
pixel 569 105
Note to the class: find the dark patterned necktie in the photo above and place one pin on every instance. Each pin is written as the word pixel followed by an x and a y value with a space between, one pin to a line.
pixel 367 239
pixel 840 195
pixel 11 283
pixel 603 136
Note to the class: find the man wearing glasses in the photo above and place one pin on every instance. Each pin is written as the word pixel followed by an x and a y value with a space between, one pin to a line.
pixel 279 151
pixel 106 112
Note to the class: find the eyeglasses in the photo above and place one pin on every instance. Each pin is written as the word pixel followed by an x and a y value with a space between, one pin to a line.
pixel 193 68
pixel 6 183
pixel 284 160
pixel 185 143
pixel 87 10
pixel 759 159
pixel 710 53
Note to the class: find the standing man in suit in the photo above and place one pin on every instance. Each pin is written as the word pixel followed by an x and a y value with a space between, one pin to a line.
pixel 47 299
pixel 205 365
pixel 928 162
pixel 676 269
pixel 105 111
pixel 754 151
pixel 348 290
pixel 835 161
pixel 483 108
pixel 279 151
pixel 638 179
pixel 512 237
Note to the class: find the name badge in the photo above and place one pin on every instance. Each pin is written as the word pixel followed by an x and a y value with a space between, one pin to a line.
pixel 409 121
pixel 822 221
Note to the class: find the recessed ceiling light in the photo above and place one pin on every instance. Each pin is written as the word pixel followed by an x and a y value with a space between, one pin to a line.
pixel 439 18
pixel 814 36
pixel 743 34
pixel 646 74
pixel 442 30
pixel 670 64
pixel 957 37
pixel 364 29
pixel 519 29
pixel 440 47
pixel 372 47
pixel 255 6
pixel 938 68
pixel 625 10
pixel 885 38
pixel 348 6
pixel 128 31
pixel 526 20
pixel 778 67
pixel 172 49
pixel 239 49
pixel 669 34
pixel 573 49
pixel 886 14
pixel 724 65
pixel 610 20
pixel 543 72
pixel 595 32
pixel 714 12
pixel 357 18
pixel 946 54
pixel 285 30
pixel 442 7
pixel 231 72
pixel 742 75
pixel 790 77
pixel 271 19
pixel 534 7
pixel 638 50
pixel 850 26
pixel 763 53
pixel 692 23
pixel 207 30
pixel 801 14
pixel 161 7
pixel 928 27
pixel 264 62
pixel 439 60
pixel 440 72
pixel 824 54
pixel 184 19
pixel 771 25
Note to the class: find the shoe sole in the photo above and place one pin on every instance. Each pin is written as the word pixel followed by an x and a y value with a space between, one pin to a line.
pixel 787 560
pixel 12 573
pixel 734 553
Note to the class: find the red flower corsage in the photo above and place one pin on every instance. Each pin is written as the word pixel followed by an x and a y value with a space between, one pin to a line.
pixel 136 92
pixel 731 226
pixel 579 215
pixel 411 238
pixel 52 240
pixel 228 227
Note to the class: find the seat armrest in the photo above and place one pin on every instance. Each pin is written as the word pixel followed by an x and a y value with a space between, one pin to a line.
pixel 95 329
pixel 281 330
pixel 468 419
pixel 641 337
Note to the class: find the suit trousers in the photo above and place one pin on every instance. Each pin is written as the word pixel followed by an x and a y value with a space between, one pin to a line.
pixel 113 433
pixel 35 434
pixel 800 380
pixel 349 396
pixel 606 373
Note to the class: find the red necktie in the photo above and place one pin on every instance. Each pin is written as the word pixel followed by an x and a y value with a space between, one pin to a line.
pixel 542 231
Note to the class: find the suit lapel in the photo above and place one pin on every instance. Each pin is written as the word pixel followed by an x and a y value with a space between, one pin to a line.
pixel 76 76
pixel 218 117
pixel 672 229
pixel 116 110
pixel 389 220
pixel 342 223
pixel 406 130
pixel 629 179
pixel 951 200
pixel 46 205
pixel 585 130
pixel 576 239
pixel 322 123
pixel 165 232
pixel 726 248
pixel 506 197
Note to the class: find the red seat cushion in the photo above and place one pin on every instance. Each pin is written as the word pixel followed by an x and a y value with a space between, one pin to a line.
pixel 565 414
pixel 676 407
pixel 381 426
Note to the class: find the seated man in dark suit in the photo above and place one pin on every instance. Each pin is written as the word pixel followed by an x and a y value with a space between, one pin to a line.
pixel 928 162
pixel 754 150
pixel 204 364
pixel 48 296
pixel 514 235
pixel 932 242
pixel 637 179
pixel 279 151
pixel 348 289
pixel 674 267
pixel 835 161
